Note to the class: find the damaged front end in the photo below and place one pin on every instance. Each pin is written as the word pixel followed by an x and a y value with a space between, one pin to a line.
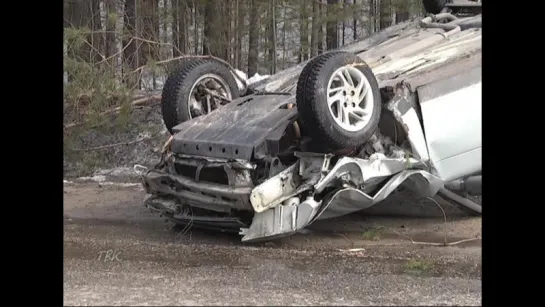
pixel 221 195
pixel 204 192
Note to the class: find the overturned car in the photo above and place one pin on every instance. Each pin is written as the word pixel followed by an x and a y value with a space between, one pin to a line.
pixel 332 136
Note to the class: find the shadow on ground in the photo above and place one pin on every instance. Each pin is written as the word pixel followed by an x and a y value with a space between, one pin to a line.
pixel 398 220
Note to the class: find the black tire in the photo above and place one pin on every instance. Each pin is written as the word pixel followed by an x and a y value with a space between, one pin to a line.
pixel 175 96
pixel 314 114
pixel 175 66
pixel 434 6
pixel 300 89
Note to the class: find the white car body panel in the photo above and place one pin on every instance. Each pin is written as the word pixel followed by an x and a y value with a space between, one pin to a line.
pixel 416 135
pixel 453 124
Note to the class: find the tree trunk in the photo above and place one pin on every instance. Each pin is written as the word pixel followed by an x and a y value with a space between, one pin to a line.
pixel 372 16
pixel 316 24
pixel 175 39
pixel 332 33
pixel 320 39
pixel 253 39
pixel 385 14
pixel 73 13
pixel 149 10
pixel 225 39
pixel 284 50
pixel 77 15
pixel 303 32
pixel 196 25
pixel 233 17
pixel 209 12
pixel 213 30
pixel 130 55
pixel 402 11
pixel 272 36
pixel 179 29
pixel 111 20
pixel 355 21
pixel 96 39
pixel 241 29
pixel 164 15
pixel 343 25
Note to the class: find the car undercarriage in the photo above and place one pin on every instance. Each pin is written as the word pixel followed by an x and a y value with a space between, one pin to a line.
pixel 331 136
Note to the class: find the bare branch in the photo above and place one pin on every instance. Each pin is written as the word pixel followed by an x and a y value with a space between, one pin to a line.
pixel 199 57
pixel 112 145
pixel 117 109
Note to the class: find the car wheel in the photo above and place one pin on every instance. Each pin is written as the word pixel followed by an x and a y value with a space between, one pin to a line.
pixel 197 87
pixel 338 101
pixel 434 6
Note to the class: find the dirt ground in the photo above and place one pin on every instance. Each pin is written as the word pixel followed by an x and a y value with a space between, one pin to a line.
pixel 361 259
pixel 391 222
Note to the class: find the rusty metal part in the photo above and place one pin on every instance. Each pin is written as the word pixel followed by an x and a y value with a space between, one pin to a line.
pixel 195 162
pixel 165 154
pixel 209 92
pixel 186 182
pixel 166 146
pixel 190 190
pixel 434 21
pixel 296 128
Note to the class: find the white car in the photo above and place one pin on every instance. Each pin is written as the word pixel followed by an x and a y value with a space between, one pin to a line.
pixel 332 136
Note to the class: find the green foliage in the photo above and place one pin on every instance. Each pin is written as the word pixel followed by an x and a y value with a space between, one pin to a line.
pixel 112 19
pixel 373 234
pixel 92 89
pixel 75 38
pixel 419 266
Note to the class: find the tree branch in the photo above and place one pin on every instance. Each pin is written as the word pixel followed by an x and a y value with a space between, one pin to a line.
pixel 199 57
pixel 117 109
pixel 112 145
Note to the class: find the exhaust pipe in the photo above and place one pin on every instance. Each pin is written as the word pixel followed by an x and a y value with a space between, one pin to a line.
pixel 472 185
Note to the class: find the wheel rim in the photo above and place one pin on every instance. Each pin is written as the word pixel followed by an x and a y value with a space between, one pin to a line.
pixel 350 98
pixel 206 95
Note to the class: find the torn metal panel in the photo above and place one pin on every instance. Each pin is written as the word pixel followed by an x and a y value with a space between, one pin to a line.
pixel 357 172
pixel 349 175
pixel 404 107
pixel 349 200
pixel 276 189
pixel 272 223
